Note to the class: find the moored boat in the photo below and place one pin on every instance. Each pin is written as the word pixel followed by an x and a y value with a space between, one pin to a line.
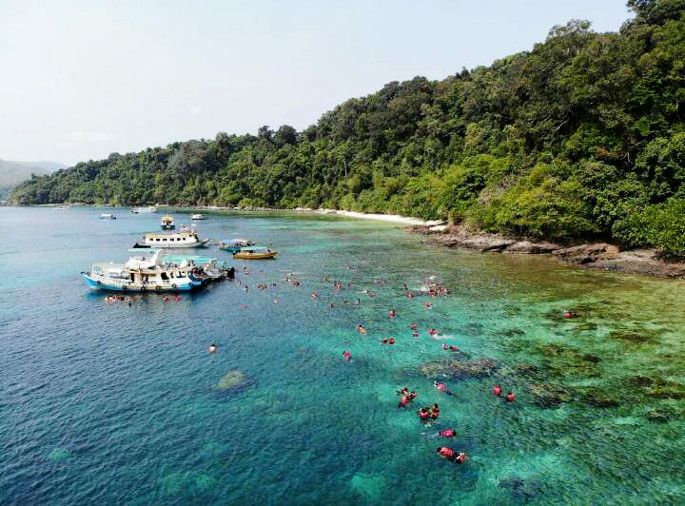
pixel 235 245
pixel 255 253
pixel 144 210
pixel 198 216
pixel 144 271
pixel 167 223
pixel 108 216
pixel 186 238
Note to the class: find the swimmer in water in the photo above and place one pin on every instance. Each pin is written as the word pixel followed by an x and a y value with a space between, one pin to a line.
pixel 441 387
pixel 392 313
pixel 361 329
pixel 212 348
pixel 447 433
pixel 347 355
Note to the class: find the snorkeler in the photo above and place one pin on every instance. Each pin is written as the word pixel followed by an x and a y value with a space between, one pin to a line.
pixel 497 390
pixel 212 348
pixel 511 397
pixel 392 313
pixel 441 387
pixel 347 355
pixel 447 433
pixel 361 329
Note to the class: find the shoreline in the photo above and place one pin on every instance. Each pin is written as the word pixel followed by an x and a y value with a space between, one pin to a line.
pixel 601 256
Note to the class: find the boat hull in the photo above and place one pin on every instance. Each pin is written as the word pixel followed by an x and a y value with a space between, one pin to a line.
pixel 175 245
pixel 128 287
pixel 255 256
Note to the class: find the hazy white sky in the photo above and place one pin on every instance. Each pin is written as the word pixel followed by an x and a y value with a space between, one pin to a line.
pixel 82 79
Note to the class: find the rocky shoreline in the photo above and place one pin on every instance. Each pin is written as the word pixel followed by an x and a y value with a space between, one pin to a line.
pixel 603 256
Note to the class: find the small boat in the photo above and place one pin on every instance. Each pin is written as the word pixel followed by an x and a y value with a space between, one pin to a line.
pixel 167 223
pixel 235 245
pixel 186 238
pixel 108 216
pixel 144 210
pixel 144 271
pixel 198 217
pixel 207 268
pixel 255 253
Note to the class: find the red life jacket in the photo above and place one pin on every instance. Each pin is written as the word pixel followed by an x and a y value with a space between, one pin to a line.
pixel 447 433
pixel 447 452
pixel 404 400
pixel 497 391
pixel 511 397
pixel 423 415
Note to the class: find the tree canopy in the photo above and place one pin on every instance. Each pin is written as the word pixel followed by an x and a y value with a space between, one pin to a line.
pixel 581 137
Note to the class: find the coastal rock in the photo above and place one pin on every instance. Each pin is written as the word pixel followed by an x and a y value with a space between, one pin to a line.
pixel 586 253
pixel 232 380
pixel 532 248
pixel 597 255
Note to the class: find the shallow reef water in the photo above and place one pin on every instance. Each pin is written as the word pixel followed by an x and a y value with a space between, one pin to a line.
pixel 106 403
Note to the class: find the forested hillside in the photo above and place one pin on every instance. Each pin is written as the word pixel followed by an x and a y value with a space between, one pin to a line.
pixel 581 137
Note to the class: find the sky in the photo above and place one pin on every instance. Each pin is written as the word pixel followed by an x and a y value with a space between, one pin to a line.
pixel 82 79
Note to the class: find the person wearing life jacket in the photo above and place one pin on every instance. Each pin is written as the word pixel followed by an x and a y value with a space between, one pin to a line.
pixel 413 326
pixel 415 333
pixel 424 415
pixel 403 391
pixel 384 341
pixel 392 313
pixel 440 387
pixel 412 395
pixel 391 340
pixel 445 347
pixel 447 433
pixel 460 458
pixel 497 390
pixel 347 355
pixel 435 412
pixel 446 452
pixel 511 397
pixel 454 348
pixel 404 402
pixel 361 329
pixel 212 348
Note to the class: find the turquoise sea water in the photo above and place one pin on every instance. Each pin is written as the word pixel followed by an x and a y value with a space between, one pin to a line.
pixel 105 403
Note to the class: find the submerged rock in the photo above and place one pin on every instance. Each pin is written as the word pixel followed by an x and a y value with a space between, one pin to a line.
pixel 597 398
pixel 547 395
pixel 232 380
pixel 59 455
pixel 521 490
pixel 187 483
pixel 460 369
pixel 368 486
pixel 561 360
pixel 633 336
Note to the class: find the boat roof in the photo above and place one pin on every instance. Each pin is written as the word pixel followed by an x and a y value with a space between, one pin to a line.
pixel 146 251
pixel 171 234
pixel 197 260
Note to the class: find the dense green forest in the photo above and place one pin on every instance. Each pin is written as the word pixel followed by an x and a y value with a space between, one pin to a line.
pixel 583 137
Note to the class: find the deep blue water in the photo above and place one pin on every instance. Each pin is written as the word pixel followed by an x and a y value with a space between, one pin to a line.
pixel 105 403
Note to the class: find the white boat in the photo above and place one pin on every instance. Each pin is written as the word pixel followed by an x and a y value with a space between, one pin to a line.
pixel 108 216
pixel 144 210
pixel 198 216
pixel 186 238
pixel 144 271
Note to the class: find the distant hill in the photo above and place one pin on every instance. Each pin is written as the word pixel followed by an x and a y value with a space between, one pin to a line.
pixel 13 173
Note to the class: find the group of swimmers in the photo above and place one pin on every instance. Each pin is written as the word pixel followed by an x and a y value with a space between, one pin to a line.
pixel 406 397
pixel 497 392
pixel 428 415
